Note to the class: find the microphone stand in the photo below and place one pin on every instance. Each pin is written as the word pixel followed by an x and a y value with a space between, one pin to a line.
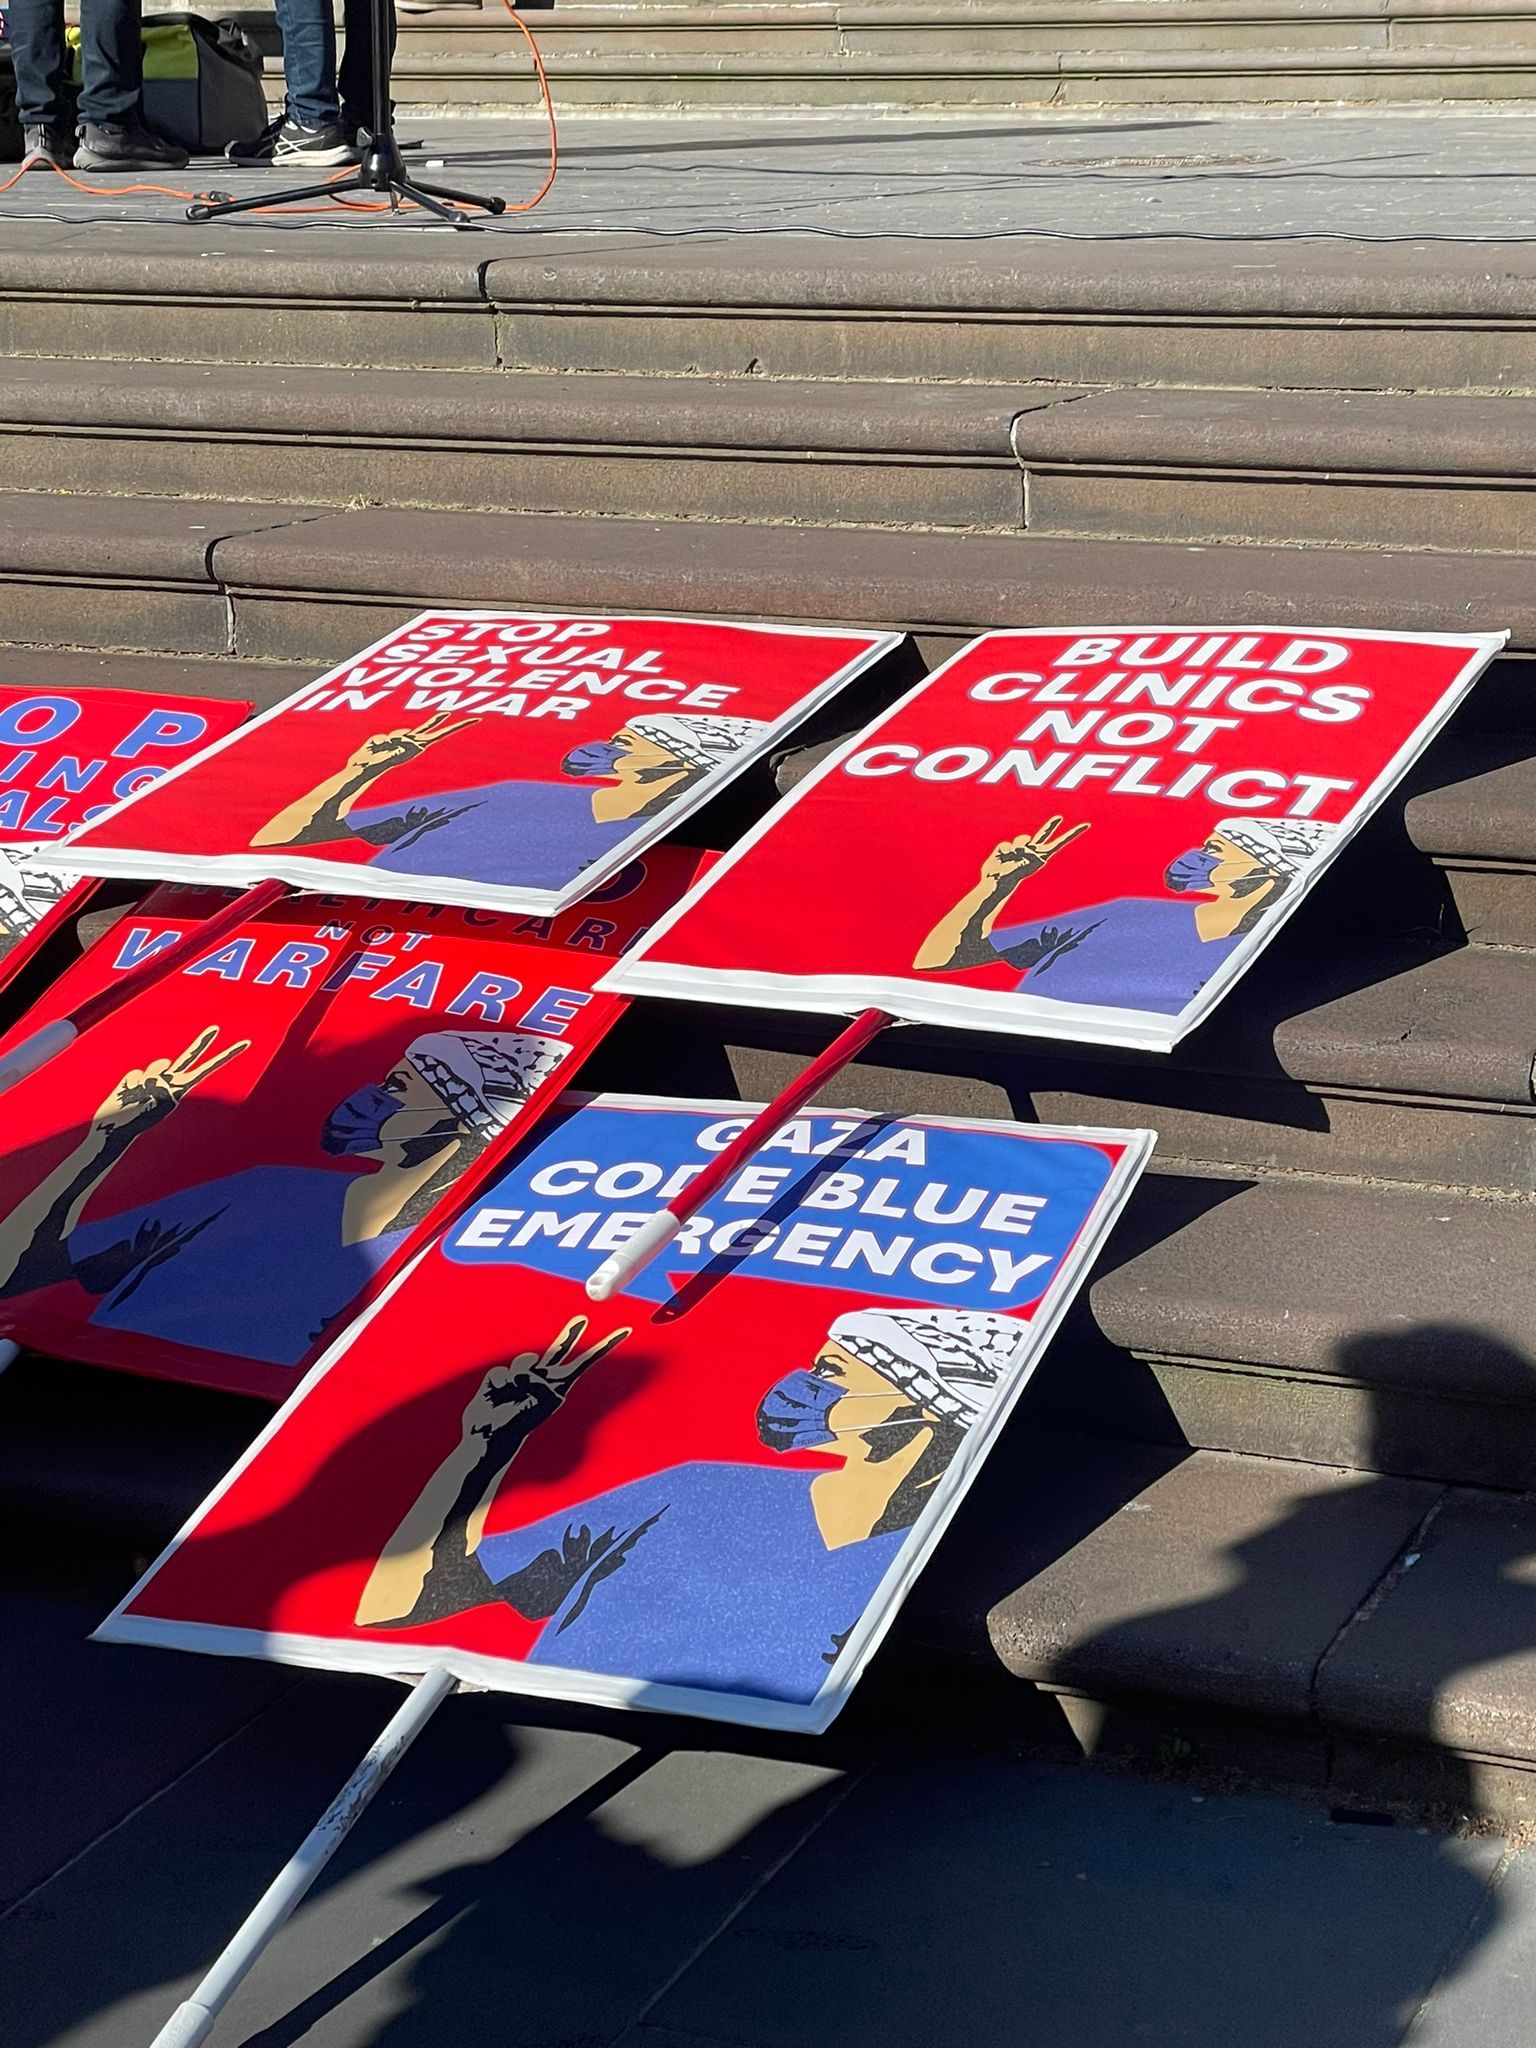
pixel 382 168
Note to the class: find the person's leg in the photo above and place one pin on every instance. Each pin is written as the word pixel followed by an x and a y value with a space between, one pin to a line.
pixel 111 61
pixel 309 62
pixel 113 136
pixel 356 76
pixel 36 29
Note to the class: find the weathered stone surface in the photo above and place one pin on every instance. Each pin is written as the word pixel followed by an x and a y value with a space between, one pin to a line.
pixel 949 581
pixel 1447 1655
pixel 1222 1579
pixel 263 683
pixel 1396 1287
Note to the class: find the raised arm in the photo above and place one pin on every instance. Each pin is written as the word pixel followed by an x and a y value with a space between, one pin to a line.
pixel 429 1569
pixel 321 815
pixel 961 938
pixel 34 1238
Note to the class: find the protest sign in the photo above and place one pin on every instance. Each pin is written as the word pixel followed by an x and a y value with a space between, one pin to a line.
pixel 67 756
pixel 508 760
pixel 204 1185
pixel 1086 835
pixel 713 1503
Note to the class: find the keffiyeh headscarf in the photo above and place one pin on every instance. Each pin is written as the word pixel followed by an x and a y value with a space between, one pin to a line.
pixel 952 1361
pixel 485 1077
pixel 1284 845
pixel 700 740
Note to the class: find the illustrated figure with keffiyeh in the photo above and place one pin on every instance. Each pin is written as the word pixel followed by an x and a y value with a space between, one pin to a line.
pixel 27 892
pixel 727 1577
pixel 537 835
pixel 1133 952
pixel 262 1261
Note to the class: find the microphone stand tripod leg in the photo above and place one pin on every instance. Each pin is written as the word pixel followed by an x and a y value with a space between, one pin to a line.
pixel 210 209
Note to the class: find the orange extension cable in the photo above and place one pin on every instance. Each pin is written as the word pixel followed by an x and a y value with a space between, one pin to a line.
pixel 99 191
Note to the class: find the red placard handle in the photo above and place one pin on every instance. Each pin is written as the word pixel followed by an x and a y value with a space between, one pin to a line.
pixel 653 1236
pixel 44 1045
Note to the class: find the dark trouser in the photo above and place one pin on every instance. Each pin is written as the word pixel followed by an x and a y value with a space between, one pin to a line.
pixel 309 61
pixel 111 54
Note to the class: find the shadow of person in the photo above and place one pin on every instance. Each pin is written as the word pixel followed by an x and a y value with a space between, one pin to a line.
pixel 1370 1633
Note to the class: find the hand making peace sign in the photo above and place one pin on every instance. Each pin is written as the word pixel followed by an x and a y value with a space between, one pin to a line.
pixel 389 749
pixel 1014 859
pixel 507 1391
pixel 145 1095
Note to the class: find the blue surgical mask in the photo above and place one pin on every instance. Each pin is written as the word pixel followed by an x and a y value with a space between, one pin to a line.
pixel 357 1124
pixel 597 757
pixel 1192 870
pixel 793 1415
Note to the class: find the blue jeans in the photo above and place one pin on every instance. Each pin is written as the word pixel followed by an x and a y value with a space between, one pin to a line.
pixel 317 96
pixel 111 61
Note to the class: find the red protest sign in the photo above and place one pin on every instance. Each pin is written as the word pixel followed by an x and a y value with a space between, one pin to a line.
pixel 712 1504
pixel 206 1184
pixel 67 756
pixel 510 760
pixel 1083 835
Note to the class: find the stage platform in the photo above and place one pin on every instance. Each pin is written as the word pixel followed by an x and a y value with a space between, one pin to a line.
pixel 1382 178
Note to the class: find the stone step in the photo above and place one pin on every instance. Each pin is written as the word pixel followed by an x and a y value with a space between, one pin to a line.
pixel 1325 315
pixel 301 583
pixel 1350 470
pixel 868 454
pixel 1476 819
pixel 1345 469
pixel 502 82
pixel 1341 1058
pixel 1367 1638
pixel 1090 28
pixel 1388 1329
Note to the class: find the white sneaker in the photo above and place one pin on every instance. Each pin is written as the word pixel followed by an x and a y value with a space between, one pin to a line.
pixel 437 6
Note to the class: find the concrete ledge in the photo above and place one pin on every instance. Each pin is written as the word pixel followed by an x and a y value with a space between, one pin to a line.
pixel 1396 1288
pixel 689 415
pixel 1447 1653
pixel 1220 1579
pixel 948 582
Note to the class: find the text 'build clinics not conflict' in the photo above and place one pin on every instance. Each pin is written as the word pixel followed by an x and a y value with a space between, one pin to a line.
pixel 1105 700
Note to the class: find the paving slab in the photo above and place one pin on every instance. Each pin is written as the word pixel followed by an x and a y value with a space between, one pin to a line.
pixel 1447 1655
pixel 1486 1997
pixel 559 1876
pixel 954 1902
pixel 1224 1580
pixel 88 1738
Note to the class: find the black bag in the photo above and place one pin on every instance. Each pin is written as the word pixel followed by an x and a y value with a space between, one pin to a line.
pixel 202 82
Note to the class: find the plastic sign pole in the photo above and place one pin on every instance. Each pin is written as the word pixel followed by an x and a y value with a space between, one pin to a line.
pixel 659 1231
pixel 193 2020
pixel 54 1038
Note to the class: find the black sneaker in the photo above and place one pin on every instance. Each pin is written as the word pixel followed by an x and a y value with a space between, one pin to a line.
pixel 48 146
pixel 285 141
pixel 126 146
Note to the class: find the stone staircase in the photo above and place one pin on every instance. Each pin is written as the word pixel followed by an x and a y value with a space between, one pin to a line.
pixel 1059 54
pixel 1268 1508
